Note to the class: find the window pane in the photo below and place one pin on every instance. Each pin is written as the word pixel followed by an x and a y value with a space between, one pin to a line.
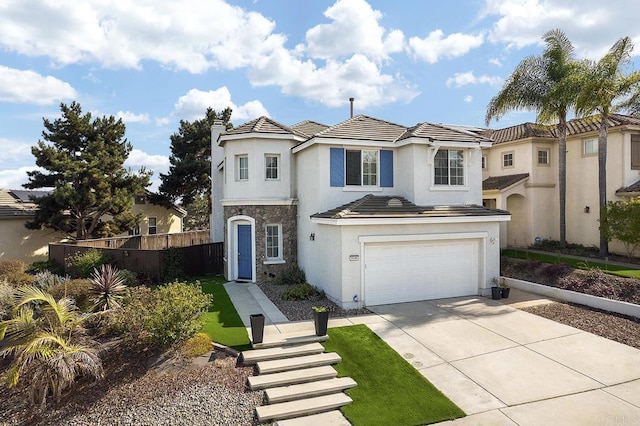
pixel 590 146
pixel 353 168
pixel 369 167
pixel 243 168
pixel 507 160
pixel 273 241
pixel 543 157
pixel 456 172
pixel 271 166
pixel 441 167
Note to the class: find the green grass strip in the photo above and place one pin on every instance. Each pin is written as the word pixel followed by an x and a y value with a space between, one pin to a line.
pixel 624 271
pixel 222 323
pixel 390 391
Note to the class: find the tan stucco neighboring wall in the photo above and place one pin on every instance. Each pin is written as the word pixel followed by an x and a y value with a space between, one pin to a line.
pixel 168 221
pixel 18 242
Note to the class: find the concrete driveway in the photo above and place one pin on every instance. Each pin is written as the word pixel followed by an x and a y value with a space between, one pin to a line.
pixel 503 366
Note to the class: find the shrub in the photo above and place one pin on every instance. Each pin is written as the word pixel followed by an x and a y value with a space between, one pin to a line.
pixel 106 287
pixel 553 272
pixel 8 267
pixel 45 265
pixel 129 278
pixel 292 275
pixel 197 345
pixel 19 279
pixel 6 300
pixel 77 289
pixel 172 266
pixel 46 279
pixel 81 265
pixel 303 291
pixel 171 313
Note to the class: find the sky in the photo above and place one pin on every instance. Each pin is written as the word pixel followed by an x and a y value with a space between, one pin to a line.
pixel 156 62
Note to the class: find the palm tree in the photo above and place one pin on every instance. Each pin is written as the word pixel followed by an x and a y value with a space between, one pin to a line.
pixel 46 342
pixel 549 85
pixel 604 85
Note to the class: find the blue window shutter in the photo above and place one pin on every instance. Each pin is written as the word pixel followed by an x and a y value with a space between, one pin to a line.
pixel 386 168
pixel 337 167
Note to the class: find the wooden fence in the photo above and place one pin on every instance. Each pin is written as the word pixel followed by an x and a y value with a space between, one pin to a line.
pixel 197 259
pixel 149 242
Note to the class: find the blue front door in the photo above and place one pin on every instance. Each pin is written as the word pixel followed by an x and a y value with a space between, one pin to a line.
pixel 245 265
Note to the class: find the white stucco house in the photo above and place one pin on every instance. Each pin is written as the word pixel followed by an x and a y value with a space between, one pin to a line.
pixel 373 212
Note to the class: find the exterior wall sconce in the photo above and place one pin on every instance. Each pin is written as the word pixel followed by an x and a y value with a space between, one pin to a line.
pixel 312 237
pixel 586 209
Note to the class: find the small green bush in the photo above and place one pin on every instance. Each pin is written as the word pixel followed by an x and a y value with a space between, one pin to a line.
pixel 19 278
pixel 171 313
pixel 46 279
pixel 129 278
pixel 6 300
pixel 292 275
pixel 45 265
pixel 8 267
pixel 172 268
pixel 77 289
pixel 303 291
pixel 81 265
pixel 197 345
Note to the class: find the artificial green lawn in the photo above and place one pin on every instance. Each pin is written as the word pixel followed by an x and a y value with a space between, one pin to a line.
pixel 623 271
pixel 222 323
pixel 390 391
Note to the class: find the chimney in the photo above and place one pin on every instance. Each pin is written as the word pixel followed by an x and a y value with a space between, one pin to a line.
pixel 351 102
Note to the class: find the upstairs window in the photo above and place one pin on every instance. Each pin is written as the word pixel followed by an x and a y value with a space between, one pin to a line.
pixel 153 226
pixel 590 147
pixel 484 162
pixel 362 167
pixel 449 167
pixel 271 163
pixel 543 157
pixel 242 167
pixel 507 159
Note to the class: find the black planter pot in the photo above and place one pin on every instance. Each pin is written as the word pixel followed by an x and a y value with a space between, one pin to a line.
pixel 504 292
pixel 257 328
pixel 496 293
pixel 321 321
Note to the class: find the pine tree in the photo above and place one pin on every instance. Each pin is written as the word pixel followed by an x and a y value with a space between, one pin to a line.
pixel 83 159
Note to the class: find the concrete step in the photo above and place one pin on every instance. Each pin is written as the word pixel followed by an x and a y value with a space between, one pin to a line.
pixel 330 418
pixel 287 339
pixel 302 407
pixel 286 378
pixel 306 390
pixel 268 354
pixel 297 363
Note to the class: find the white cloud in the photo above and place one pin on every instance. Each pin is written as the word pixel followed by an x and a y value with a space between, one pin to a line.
pixel 14 178
pixel 591 25
pixel 130 117
pixel 468 99
pixel 495 61
pixel 15 152
pixel 466 78
pixel 354 28
pixel 193 105
pixel 436 46
pixel 19 86
pixel 139 158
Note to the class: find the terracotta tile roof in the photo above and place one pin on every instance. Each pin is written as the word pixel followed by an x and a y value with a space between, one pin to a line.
pixel 372 206
pixel 263 125
pixel 520 131
pixel 502 182
pixel 362 127
pixel 633 188
pixel 443 133
pixel 592 124
pixel 309 127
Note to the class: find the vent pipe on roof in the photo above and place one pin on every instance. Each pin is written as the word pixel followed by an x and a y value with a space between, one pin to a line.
pixel 351 102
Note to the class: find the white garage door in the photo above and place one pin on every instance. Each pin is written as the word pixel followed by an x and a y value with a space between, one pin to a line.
pixel 410 271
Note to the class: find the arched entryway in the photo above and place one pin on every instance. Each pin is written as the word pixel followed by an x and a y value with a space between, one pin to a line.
pixel 241 253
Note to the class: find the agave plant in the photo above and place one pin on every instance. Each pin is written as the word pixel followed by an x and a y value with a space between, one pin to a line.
pixel 47 343
pixel 107 287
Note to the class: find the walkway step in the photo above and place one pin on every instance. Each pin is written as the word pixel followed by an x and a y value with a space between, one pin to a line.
pixel 256 355
pixel 305 390
pixel 303 407
pixel 291 377
pixel 297 363
pixel 330 418
pixel 273 340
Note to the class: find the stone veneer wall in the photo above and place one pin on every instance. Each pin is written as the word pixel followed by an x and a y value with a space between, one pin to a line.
pixel 268 215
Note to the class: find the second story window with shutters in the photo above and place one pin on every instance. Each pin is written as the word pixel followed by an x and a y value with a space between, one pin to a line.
pixel 352 168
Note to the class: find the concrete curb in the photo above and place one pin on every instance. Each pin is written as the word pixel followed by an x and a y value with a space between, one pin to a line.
pixel 610 305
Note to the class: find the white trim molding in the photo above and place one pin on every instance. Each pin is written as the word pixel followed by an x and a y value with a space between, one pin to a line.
pixel 232 245
pixel 410 220
pixel 259 202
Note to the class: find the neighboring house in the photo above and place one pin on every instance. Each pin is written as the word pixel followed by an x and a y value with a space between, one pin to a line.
pixel 520 173
pixel 18 242
pixel 372 211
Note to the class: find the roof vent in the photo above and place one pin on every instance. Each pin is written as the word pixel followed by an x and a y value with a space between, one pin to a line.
pixel 394 202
